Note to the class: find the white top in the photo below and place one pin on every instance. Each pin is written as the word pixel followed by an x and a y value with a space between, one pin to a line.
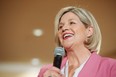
pixel 64 70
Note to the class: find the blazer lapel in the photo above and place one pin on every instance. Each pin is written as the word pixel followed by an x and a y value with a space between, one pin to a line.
pixel 91 67
pixel 63 62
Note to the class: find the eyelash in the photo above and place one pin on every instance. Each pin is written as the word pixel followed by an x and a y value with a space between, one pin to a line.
pixel 72 22
pixel 60 27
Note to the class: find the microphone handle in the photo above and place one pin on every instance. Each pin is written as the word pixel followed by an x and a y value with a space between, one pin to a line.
pixel 57 61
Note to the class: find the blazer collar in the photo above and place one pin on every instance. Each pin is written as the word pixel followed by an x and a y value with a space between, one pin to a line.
pixel 90 66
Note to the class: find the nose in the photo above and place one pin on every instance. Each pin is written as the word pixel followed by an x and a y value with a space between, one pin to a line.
pixel 65 28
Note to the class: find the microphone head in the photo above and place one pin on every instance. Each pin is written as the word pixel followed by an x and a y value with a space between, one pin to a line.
pixel 59 51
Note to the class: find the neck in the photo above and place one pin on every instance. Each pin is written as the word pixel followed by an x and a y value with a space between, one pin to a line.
pixel 77 55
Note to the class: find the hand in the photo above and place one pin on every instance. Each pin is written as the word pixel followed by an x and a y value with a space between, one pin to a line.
pixel 53 72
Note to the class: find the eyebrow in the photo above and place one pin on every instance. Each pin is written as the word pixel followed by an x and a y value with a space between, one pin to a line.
pixel 68 20
pixel 61 23
pixel 72 19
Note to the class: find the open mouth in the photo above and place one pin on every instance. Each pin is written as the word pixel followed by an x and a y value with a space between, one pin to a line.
pixel 67 35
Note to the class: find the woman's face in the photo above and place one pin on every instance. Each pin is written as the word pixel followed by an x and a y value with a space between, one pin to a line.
pixel 71 31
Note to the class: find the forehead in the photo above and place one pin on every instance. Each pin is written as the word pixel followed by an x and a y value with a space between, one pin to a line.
pixel 69 15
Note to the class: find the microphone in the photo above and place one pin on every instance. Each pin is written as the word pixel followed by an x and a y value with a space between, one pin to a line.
pixel 58 54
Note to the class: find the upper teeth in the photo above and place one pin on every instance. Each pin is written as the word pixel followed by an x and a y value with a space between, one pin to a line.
pixel 67 35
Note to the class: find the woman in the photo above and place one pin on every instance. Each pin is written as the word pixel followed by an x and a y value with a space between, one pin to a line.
pixel 78 32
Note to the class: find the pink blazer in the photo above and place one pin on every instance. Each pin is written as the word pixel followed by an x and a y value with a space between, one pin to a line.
pixel 96 66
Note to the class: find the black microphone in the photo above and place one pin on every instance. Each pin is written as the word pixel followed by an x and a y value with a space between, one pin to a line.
pixel 58 54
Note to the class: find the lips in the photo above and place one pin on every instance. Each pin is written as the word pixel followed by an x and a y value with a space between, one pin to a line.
pixel 67 35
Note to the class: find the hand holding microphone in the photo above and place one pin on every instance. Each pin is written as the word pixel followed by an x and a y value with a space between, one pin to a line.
pixel 54 71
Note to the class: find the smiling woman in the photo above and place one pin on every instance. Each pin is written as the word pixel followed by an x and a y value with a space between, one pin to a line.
pixel 72 30
pixel 78 33
pixel 84 18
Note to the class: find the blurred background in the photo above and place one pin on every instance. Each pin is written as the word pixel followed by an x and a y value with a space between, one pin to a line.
pixel 27 32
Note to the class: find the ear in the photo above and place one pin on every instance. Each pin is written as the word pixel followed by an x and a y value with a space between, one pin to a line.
pixel 89 31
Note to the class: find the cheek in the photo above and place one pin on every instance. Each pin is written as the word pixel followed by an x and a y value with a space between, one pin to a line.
pixel 81 33
pixel 59 36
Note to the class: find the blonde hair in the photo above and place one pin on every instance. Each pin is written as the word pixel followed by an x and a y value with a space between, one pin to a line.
pixel 94 42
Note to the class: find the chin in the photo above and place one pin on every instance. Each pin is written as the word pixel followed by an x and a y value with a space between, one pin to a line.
pixel 67 46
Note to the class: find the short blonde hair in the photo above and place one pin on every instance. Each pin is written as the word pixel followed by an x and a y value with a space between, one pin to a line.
pixel 87 19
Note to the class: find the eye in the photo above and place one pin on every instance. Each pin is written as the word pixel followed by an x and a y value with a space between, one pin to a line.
pixel 72 23
pixel 60 27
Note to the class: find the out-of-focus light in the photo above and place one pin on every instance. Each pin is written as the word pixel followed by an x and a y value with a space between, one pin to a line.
pixel 35 61
pixel 37 32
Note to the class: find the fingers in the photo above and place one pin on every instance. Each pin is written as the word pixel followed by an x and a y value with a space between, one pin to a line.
pixel 55 69
pixel 52 72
